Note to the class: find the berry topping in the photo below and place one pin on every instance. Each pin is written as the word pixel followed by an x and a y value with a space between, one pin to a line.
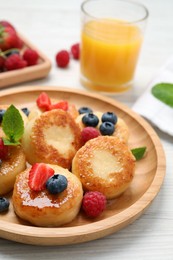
pixel 90 119
pixel 30 56
pixel 2 112
pixel 84 110
pixel 89 133
pixel 109 117
pixel 3 150
pixel 14 62
pixel 62 58
pixel 60 105
pixel 75 51
pixel 25 110
pixel 4 204
pixel 107 128
pixel 56 184
pixel 93 203
pixel 38 176
pixel 43 101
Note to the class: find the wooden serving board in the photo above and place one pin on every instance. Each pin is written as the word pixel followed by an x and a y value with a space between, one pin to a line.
pixel 120 212
pixel 29 73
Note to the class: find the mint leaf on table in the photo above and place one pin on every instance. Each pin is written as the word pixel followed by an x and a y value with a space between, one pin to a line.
pixel 139 152
pixel 13 126
pixel 163 92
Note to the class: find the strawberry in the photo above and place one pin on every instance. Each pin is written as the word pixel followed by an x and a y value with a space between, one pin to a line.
pixel 38 176
pixel 43 101
pixel 3 150
pixel 60 105
pixel 7 24
pixel 8 38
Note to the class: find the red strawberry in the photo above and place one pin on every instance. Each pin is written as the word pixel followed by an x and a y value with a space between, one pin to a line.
pixel 2 61
pixel 8 38
pixel 38 176
pixel 60 105
pixel 7 24
pixel 3 150
pixel 43 101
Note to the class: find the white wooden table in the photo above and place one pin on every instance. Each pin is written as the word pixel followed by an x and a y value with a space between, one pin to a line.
pixel 53 25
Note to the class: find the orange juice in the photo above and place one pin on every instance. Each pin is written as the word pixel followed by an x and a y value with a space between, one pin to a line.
pixel 109 54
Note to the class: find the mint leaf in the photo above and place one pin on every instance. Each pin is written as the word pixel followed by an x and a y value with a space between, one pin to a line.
pixel 8 142
pixel 163 92
pixel 12 125
pixel 138 152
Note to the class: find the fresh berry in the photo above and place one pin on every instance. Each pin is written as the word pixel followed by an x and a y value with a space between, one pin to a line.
pixel 2 112
pixel 14 62
pixel 62 58
pixel 11 51
pixel 109 117
pixel 2 62
pixel 107 128
pixel 75 51
pixel 30 56
pixel 90 119
pixel 84 110
pixel 4 204
pixel 19 43
pixel 3 150
pixel 88 133
pixel 56 184
pixel 25 111
pixel 38 176
pixel 8 38
pixel 43 101
pixel 93 203
pixel 60 105
pixel 7 24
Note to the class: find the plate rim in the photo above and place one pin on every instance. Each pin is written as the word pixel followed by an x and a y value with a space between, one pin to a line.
pixel 65 235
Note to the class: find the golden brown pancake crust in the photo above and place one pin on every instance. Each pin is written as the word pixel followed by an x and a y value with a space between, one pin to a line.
pixel 45 209
pixel 114 182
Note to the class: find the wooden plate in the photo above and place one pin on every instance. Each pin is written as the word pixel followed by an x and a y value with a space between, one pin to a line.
pixel 120 212
pixel 37 71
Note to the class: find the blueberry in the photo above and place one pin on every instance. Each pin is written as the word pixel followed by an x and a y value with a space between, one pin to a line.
pixel 25 110
pixel 4 204
pixel 109 117
pixel 12 51
pixel 56 184
pixel 84 110
pixel 2 112
pixel 107 128
pixel 90 119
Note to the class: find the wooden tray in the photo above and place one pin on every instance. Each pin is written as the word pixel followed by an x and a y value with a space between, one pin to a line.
pixel 37 71
pixel 120 212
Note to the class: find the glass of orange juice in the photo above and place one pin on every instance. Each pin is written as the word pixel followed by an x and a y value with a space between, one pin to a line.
pixel 111 39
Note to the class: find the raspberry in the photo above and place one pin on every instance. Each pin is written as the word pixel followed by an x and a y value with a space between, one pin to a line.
pixel 14 62
pixel 89 133
pixel 43 101
pixel 93 203
pixel 75 51
pixel 2 61
pixel 30 56
pixel 62 58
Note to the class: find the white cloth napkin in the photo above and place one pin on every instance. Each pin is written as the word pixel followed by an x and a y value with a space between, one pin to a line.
pixel 158 113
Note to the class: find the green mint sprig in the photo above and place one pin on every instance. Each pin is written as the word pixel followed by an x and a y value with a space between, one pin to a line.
pixel 163 92
pixel 139 152
pixel 13 126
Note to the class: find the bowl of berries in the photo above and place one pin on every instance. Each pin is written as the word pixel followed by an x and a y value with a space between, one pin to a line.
pixel 20 61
